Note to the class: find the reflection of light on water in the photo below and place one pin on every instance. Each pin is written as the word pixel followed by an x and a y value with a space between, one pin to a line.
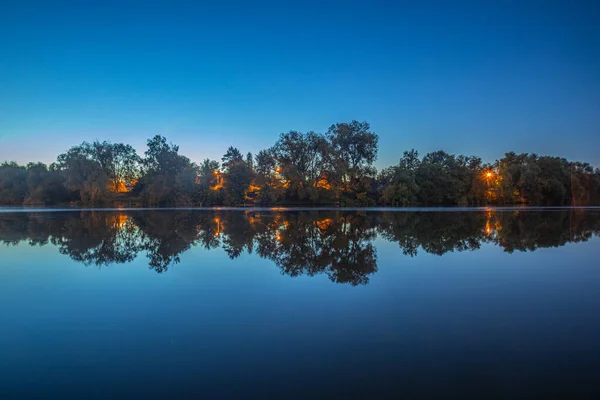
pixel 492 224
pixel 497 226
pixel 488 228
pixel 324 223
pixel 488 224
pixel 342 249
pixel 218 222
pixel 120 220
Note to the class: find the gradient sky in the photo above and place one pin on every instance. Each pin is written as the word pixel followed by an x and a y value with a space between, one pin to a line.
pixel 480 77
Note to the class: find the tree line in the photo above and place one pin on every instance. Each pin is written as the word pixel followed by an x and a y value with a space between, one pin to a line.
pixel 331 168
pixel 333 243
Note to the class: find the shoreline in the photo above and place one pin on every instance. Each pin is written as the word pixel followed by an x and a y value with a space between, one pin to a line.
pixel 17 209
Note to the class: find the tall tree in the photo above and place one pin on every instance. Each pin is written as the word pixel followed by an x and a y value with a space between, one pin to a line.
pixel 230 158
pixel 237 181
pixel 163 157
pixel 120 163
pixel 399 182
pixel 354 147
pixel 300 161
pixel 353 151
pixel 166 173
pixel 266 177
pixel 209 181
pixel 83 174
pixel 250 162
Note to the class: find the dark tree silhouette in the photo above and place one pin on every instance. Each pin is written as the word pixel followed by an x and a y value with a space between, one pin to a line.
pixel 337 244
pixel 335 168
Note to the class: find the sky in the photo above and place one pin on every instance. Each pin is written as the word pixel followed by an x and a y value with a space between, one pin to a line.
pixel 476 78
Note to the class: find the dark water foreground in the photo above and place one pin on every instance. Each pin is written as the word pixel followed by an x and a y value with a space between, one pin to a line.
pixel 300 304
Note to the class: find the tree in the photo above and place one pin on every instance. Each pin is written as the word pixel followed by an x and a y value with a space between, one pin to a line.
pixel 162 157
pixel 13 183
pixel 266 164
pixel 399 185
pixel 444 179
pixel 120 162
pixel 237 181
pixel 250 162
pixel 300 168
pixel 300 161
pixel 167 174
pixel 44 186
pixel 265 177
pixel 209 182
pixel 186 187
pixel 231 158
pixel 533 180
pixel 208 171
pixel 353 150
pixel 83 174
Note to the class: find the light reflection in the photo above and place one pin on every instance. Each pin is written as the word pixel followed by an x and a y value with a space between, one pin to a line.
pixel 323 224
pixel 218 222
pixel 336 242
pixel 119 220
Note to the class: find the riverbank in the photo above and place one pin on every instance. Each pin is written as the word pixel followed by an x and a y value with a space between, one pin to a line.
pixel 7 209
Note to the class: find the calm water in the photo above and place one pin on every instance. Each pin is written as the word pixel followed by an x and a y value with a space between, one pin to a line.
pixel 300 304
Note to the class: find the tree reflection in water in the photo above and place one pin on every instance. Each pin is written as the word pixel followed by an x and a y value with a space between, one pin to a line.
pixel 336 243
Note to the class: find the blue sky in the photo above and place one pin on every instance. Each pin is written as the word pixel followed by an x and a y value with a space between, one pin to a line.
pixel 479 77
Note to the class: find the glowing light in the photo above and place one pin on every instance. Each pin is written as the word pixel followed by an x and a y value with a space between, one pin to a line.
pixel 119 187
pixel 487 175
pixel 120 220
pixel 217 186
pixel 218 222
pixel 323 184
pixel 278 169
pixel 324 223
pixel 488 228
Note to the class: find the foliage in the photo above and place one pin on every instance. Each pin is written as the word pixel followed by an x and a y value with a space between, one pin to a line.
pixel 13 183
pixel 338 244
pixel 237 182
pixel 352 152
pixel 167 175
pixel 335 168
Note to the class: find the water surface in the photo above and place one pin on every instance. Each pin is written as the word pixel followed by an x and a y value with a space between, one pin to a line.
pixel 300 303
